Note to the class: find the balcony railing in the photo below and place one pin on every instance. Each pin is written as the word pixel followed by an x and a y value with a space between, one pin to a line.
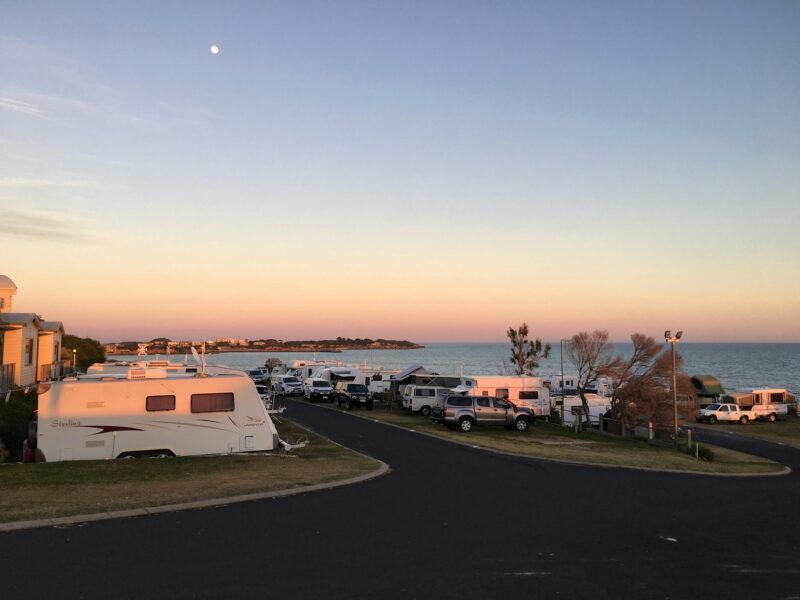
pixel 49 372
pixel 6 377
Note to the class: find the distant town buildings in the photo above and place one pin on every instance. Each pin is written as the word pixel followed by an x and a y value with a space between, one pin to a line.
pixel 30 347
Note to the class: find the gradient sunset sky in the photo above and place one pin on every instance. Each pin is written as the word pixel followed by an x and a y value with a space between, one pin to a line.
pixel 430 171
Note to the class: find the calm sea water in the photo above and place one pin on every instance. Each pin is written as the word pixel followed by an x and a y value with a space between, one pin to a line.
pixel 737 366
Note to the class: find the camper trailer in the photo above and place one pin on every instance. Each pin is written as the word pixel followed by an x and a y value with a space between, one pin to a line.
pixel 769 404
pixel 146 412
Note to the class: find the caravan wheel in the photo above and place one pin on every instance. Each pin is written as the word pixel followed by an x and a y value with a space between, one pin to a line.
pixel 772 418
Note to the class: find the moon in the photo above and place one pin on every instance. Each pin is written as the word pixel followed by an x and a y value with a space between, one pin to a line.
pixel 214 49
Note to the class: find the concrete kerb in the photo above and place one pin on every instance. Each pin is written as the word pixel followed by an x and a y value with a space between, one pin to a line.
pixel 786 470
pixel 382 469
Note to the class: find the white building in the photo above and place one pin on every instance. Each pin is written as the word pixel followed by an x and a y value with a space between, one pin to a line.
pixel 30 347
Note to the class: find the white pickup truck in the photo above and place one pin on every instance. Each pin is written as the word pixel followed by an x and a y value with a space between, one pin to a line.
pixel 724 412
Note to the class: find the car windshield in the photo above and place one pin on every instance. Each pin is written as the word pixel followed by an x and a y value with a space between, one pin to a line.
pixel 321 384
pixel 712 407
pixel 357 388
pixel 291 380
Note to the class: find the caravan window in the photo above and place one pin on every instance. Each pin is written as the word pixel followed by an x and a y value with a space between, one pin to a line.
pixel 425 392
pixel 529 395
pixel 777 397
pixel 155 403
pixel 203 403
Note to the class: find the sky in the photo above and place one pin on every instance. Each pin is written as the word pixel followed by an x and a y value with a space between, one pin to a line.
pixel 432 171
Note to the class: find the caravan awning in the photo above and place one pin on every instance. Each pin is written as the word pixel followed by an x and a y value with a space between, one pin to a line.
pixel 707 385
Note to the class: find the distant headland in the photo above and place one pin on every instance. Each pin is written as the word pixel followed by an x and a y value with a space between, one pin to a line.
pixel 163 345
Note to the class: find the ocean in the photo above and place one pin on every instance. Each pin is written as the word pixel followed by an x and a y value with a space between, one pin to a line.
pixel 737 366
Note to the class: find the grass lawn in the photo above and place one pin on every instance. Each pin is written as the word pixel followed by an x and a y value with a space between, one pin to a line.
pixel 786 432
pixel 546 440
pixel 47 490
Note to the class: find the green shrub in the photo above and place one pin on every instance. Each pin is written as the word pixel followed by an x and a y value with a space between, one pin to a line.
pixel 701 452
pixel 14 418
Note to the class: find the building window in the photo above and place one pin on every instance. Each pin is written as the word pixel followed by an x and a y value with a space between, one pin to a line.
pixel 203 403
pixel 156 403
pixel 28 353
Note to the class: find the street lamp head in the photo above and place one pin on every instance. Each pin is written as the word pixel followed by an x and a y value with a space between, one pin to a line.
pixel 678 335
pixel 668 335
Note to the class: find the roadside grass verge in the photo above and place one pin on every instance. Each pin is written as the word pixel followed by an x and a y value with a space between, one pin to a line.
pixel 546 440
pixel 48 490
pixel 785 432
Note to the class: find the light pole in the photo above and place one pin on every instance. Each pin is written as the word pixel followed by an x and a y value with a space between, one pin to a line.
pixel 74 360
pixel 672 341
pixel 561 342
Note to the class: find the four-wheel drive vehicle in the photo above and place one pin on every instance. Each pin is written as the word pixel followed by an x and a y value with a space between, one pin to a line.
pixel 724 412
pixel 286 385
pixel 315 388
pixel 464 412
pixel 349 395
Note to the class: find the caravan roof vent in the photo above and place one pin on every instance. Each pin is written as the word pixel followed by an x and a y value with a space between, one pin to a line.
pixel 147 374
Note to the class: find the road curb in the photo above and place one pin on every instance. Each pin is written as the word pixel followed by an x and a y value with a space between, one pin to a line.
pixel 786 470
pixel 382 469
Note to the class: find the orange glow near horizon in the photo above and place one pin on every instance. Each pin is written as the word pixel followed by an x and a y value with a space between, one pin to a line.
pixel 185 304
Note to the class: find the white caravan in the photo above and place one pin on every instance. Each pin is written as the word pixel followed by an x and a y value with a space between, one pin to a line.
pixel 522 390
pixel 148 413
pixel 122 368
pixel 303 369
pixel 598 406
pixel 334 374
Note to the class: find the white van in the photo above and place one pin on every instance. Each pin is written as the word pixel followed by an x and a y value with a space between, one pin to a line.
pixel 286 385
pixel 146 413
pixel 424 398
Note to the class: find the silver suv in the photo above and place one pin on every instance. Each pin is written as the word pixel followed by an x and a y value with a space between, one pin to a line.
pixel 464 412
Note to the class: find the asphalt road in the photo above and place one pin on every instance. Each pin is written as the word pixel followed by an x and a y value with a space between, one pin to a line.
pixel 447 522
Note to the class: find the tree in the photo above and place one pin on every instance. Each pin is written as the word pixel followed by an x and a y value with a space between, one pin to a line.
pixel 590 353
pixel 643 382
pixel 89 351
pixel 525 354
